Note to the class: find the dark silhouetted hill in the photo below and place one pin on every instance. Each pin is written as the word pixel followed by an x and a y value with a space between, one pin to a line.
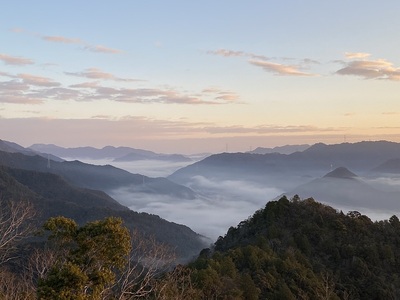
pixel 341 172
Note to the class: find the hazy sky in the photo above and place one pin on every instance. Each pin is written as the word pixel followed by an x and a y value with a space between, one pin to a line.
pixel 195 76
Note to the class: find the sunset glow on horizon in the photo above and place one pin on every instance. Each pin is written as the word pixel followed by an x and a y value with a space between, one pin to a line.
pixel 190 77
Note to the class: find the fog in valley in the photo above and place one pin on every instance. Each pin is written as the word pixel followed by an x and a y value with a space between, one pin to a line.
pixel 220 203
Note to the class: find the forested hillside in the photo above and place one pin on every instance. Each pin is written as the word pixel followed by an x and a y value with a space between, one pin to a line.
pixel 291 249
pixel 303 250
pixel 50 196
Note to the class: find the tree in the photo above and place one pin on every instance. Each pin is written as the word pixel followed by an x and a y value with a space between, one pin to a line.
pixel 88 258
pixel 147 261
pixel 14 226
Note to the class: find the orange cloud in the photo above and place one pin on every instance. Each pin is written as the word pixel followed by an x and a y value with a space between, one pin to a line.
pixel 371 69
pixel 279 69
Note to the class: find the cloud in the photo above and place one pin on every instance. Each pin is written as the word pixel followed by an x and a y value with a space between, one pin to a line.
pixel 72 41
pixel 5 74
pixel 146 95
pixel 33 86
pixel 154 95
pixel 221 94
pixel 87 85
pixel 16 99
pixel 38 80
pixel 103 49
pixel 279 69
pixel 14 60
pixel 390 113
pixel 353 55
pixel 239 199
pixel 268 129
pixel 266 64
pixel 95 73
pixel 370 69
pixel 227 53
pixel 61 39
pixel 13 85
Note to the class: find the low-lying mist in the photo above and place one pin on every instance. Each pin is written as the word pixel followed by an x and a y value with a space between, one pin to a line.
pixel 223 203
pixel 218 206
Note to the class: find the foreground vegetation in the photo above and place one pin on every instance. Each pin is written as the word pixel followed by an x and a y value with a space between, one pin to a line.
pixel 291 249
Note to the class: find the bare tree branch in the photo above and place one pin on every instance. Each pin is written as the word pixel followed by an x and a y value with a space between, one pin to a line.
pixel 13 226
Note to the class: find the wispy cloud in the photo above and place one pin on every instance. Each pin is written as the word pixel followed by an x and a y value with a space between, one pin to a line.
pixel 68 40
pixel 391 113
pixel 18 99
pixel 38 80
pixel 62 39
pixel 369 69
pixel 358 55
pixel 38 87
pixel 227 53
pixel 221 94
pixel 95 73
pixel 268 129
pixel 266 63
pixel 103 49
pixel 15 60
pixel 86 85
pixel 279 69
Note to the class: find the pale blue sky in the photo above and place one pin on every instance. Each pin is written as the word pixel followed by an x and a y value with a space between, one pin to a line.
pixel 193 76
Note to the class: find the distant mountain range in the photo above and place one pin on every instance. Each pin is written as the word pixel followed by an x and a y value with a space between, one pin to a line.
pixel 287 149
pixel 343 188
pixel 77 190
pixel 289 170
pixel 104 178
pixel 11 147
pixel 389 166
pixel 308 174
pixel 108 152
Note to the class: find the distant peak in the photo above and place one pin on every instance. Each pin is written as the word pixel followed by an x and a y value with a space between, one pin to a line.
pixel 341 172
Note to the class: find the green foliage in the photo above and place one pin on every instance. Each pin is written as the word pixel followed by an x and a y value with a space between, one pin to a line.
pixel 88 258
pixel 302 249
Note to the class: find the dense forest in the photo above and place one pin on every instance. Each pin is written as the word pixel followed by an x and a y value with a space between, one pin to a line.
pixel 302 249
pixel 291 249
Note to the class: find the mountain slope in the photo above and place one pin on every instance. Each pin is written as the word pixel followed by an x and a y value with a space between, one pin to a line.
pixel 389 166
pixel 288 171
pixel 288 149
pixel 108 152
pixel 52 196
pixel 303 249
pixel 343 188
pixel 103 178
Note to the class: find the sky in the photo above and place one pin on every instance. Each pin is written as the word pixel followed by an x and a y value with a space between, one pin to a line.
pixel 199 76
